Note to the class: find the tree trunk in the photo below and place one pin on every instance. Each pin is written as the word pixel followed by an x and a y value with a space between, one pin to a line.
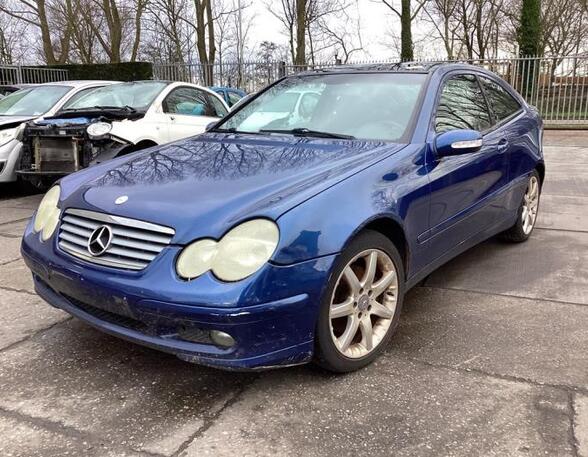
pixel 300 57
pixel 406 50
pixel 45 34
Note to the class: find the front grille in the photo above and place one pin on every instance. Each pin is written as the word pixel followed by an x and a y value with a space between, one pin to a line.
pixel 133 246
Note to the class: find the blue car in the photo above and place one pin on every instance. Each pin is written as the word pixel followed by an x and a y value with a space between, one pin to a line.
pixel 230 94
pixel 282 238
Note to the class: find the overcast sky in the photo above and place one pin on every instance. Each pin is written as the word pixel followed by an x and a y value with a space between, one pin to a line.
pixel 377 26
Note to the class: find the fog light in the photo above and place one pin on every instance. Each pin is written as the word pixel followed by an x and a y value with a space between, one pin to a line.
pixel 222 338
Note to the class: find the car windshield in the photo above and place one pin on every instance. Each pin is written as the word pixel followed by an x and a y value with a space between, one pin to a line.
pixel 136 95
pixel 375 106
pixel 33 101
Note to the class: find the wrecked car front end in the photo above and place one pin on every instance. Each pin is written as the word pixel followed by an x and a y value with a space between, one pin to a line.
pixel 55 147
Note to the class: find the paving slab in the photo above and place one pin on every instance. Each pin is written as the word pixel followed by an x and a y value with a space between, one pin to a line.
pixel 13 229
pixel 581 424
pixel 566 179
pixel 562 213
pixel 23 314
pixel 15 275
pixel 9 249
pixel 122 393
pixel 21 439
pixel 551 265
pixel 566 138
pixel 393 407
pixel 14 214
pixel 540 341
pixel 571 155
pixel 30 202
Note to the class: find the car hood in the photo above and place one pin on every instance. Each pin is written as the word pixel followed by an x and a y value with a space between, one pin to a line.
pixel 204 185
pixel 7 122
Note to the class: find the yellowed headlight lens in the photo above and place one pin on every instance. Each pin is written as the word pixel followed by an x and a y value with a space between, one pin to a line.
pixel 47 216
pixel 239 254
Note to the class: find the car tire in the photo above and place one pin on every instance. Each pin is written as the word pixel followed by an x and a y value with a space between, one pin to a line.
pixel 527 213
pixel 372 305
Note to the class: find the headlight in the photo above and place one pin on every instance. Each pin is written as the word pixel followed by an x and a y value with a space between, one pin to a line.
pixel 47 216
pixel 7 135
pixel 99 129
pixel 240 253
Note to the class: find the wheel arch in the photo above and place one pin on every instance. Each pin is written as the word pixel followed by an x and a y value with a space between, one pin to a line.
pixel 541 170
pixel 394 231
pixel 143 144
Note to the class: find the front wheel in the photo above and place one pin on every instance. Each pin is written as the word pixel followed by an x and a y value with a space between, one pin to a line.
pixel 361 305
pixel 527 214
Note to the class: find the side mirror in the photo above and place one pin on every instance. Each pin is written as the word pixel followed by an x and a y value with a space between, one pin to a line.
pixel 209 126
pixel 456 142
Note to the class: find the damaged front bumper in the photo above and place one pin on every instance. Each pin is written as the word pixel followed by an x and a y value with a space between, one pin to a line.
pixel 271 317
pixel 52 150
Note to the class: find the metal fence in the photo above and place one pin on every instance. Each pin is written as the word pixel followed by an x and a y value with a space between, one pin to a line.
pixel 557 86
pixel 17 74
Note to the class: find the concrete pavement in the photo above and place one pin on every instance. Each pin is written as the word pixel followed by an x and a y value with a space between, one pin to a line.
pixel 490 359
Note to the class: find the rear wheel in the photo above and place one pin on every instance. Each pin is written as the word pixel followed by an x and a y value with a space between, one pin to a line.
pixel 527 215
pixel 361 306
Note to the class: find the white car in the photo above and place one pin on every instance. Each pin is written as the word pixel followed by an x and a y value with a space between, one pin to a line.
pixel 293 105
pixel 113 121
pixel 31 102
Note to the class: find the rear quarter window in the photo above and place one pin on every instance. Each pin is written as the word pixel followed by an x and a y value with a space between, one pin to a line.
pixel 502 103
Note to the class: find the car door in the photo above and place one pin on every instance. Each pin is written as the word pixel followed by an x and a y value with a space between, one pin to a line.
pixel 190 110
pixel 465 189
pixel 514 127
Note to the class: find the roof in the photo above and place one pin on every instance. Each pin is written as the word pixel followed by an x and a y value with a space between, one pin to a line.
pixel 398 67
pixel 79 83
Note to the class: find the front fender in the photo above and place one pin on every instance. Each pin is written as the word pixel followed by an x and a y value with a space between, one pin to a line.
pixel 395 189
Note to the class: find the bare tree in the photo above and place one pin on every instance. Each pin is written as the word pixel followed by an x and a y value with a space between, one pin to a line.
pixel 13 46
pixel 442 15
pixel 168 30
pixel 407 14
pixel 122 21
pixel 47 17
pixel 301 21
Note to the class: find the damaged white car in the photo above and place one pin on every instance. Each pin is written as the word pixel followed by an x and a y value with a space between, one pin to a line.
pixel 31 102
pixel 113 121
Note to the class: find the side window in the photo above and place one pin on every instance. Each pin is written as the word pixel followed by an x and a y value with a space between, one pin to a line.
pixel 219 108
pixel 503 104
pixel 189 101
pixel 462 106
pixel 78 96
pixel 234 97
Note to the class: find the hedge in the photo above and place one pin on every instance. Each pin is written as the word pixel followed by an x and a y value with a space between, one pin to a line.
pixel 125 71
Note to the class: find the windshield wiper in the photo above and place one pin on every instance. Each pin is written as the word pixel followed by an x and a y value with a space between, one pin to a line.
pixel 232 130
pixel 128 108
pixel 302 131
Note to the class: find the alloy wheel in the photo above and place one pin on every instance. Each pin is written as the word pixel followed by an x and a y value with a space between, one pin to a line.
pixel 530 205
pixel 363 303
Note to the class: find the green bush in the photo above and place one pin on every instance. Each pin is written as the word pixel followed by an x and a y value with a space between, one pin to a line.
pixel 125 71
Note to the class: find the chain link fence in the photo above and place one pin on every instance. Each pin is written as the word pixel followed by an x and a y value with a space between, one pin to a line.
pixel 17 74
pixel 557 86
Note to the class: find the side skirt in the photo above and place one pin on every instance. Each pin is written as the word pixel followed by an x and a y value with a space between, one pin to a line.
pixel 460 248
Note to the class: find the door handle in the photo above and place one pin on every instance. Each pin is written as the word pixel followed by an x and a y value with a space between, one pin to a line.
pixel 502 145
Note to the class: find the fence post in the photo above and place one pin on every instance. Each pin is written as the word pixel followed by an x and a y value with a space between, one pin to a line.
pixel 281 69
pixel 18 74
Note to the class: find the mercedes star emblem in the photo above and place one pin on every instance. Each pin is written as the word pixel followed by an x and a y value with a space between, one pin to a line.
pixel 100 240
